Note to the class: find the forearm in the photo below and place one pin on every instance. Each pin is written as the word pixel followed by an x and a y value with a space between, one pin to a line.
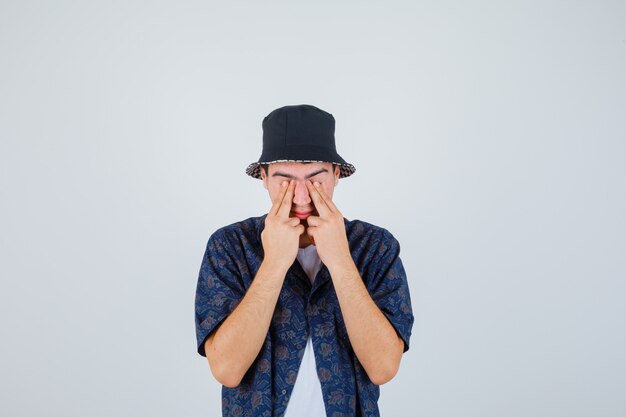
pixel 238 340
pixel 373 338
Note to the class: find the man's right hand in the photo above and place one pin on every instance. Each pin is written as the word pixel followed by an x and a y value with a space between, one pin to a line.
pixel 281 235
pixel 239 339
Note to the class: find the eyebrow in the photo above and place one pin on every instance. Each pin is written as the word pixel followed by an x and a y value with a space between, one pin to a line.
pixel 282 174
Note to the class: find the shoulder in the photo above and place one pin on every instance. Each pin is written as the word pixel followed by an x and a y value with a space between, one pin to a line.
pixel 363 229
pixel 242 233
pixel 370 235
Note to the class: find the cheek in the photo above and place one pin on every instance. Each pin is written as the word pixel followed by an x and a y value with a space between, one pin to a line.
pixel 328 189
pixel 272 187
pixel 272 190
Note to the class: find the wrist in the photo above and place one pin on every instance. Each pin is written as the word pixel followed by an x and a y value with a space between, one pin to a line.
pixel 275 267
pixel 342 265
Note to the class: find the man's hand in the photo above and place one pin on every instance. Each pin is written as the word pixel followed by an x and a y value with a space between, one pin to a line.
pixel 237 342
pixel 375 341
pixel 281 235
pixel 328 230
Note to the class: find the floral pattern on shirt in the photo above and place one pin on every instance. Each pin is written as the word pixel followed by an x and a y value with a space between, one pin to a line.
pixel 233 256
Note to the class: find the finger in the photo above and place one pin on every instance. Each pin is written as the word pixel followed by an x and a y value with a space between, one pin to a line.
pixel 279 199
pixel 326 198
pixel 320 204
pixel 285 206
pixel 293 221
pixel 314 221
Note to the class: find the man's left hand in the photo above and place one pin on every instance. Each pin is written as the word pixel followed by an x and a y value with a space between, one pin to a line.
pixel 328 230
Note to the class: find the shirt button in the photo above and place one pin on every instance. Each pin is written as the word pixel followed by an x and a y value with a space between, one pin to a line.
pixel 284 391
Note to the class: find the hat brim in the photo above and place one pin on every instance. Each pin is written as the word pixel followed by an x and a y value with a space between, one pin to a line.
pixel 254 169
pixel 300 153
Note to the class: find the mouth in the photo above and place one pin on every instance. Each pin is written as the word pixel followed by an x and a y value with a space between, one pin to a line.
pixel 302 214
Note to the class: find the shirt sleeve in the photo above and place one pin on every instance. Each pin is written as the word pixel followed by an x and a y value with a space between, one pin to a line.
pixel 389 287
pixel 220 287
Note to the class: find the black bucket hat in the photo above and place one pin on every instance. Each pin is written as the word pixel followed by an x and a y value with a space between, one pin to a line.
pixel 301 133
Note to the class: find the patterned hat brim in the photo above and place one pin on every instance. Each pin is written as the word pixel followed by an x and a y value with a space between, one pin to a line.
pixel 254 169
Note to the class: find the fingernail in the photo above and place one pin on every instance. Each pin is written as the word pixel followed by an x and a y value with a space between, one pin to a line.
pixel 283 184
pixel 317 184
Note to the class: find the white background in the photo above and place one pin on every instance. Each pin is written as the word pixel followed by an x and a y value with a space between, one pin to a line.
pixel 488 137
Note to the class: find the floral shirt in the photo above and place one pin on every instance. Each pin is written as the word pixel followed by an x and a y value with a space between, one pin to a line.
pixel 234 254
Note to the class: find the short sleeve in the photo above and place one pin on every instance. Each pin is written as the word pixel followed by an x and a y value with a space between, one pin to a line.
pixel 389 287
pixel 220 287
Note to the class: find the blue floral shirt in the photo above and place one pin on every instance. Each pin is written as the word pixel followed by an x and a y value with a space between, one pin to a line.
pixel 234 254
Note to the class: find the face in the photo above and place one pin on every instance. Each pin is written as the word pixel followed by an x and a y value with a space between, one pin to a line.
pixel 302 205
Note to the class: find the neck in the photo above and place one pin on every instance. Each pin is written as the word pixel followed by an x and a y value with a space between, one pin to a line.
pixel 304 237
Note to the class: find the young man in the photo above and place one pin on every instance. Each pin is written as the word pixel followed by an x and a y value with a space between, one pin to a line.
pixel 300 311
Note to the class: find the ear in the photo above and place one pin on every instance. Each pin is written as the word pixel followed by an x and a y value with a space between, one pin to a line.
pixel 337 172
pixel 263 177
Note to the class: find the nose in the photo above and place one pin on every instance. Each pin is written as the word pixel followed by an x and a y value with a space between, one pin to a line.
pixel 301 194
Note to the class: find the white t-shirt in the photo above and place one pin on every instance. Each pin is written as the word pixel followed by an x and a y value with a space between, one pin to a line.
pixel 306 398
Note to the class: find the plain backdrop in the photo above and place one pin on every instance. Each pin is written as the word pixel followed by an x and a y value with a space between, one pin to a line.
pixel 488 137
